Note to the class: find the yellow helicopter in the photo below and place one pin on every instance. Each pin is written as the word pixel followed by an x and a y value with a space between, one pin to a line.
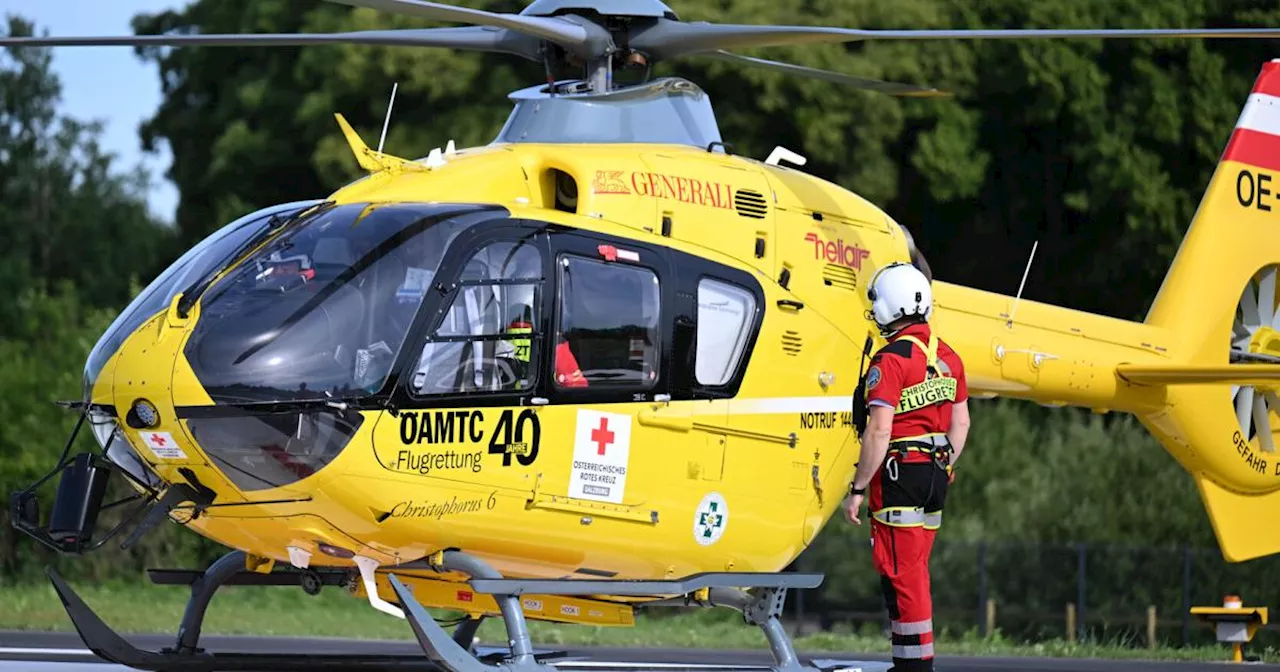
pixel 602 362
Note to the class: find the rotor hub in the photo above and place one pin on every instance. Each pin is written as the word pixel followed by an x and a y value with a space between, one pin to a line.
pixel 655 9
pixel 1265 341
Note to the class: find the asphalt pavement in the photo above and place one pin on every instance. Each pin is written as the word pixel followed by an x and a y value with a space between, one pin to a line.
pixel 64 652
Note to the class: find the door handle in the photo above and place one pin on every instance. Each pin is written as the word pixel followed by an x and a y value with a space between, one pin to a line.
pixel 678 418
pixel 788 303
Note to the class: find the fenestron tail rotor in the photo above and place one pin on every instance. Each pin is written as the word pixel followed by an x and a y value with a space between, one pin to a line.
pixel 1255 334
pixel 602 34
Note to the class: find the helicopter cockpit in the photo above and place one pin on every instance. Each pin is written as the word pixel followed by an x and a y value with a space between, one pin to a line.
pixel 322 311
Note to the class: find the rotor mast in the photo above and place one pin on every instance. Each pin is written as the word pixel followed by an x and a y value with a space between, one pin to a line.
pixel 607 23
pixel 599 74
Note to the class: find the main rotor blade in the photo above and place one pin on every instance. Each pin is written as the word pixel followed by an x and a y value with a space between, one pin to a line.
pixel 669 39
pixel 470 37
pixel 891 88
pixel 554 30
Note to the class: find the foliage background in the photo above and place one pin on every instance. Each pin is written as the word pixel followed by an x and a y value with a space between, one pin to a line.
pixel 1100 150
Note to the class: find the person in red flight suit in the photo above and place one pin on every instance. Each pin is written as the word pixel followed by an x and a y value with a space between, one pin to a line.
pixel 918 421
pixel 567 372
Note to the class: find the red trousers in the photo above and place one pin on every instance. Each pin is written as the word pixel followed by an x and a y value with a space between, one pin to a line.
pixel 905 500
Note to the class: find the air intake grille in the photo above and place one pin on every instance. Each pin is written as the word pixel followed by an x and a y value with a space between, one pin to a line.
pixel 750 203
pixel 840 277
pixel 791 343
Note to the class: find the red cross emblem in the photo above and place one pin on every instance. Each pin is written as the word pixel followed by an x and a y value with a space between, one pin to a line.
pixel 157 439
pixel 602 436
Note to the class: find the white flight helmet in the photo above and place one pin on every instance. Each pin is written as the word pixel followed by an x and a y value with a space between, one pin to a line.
pixel 899 290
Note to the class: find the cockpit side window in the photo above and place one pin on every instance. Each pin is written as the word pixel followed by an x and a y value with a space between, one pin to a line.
pixel 608 326
pixel 488 340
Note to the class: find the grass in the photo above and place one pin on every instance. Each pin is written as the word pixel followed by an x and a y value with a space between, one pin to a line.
pixel 145 608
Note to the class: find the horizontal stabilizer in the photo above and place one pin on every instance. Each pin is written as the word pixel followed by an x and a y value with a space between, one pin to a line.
pixel 1174 374
pixel 1244 533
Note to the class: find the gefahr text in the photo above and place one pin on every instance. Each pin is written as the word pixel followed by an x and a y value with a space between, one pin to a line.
pixel 1255 462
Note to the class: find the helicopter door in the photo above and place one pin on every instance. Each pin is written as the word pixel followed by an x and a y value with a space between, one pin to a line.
pixel 464 392
pixel 709 200
pixel 607 361
pixel 718 315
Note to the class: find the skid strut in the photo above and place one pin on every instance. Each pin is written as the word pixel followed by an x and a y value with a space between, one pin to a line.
pixel 453 652
pixel 202 590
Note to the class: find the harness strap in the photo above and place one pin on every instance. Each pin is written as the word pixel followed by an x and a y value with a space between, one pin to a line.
pixel 908 516
pixel 935 388
pixel 935 445
pixel 930 350
pixel 933 440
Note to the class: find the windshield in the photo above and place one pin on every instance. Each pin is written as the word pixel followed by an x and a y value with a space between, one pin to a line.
pixel 322 310
pixel 189 268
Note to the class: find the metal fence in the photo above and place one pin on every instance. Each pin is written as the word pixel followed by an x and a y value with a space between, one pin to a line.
pixel 1038 592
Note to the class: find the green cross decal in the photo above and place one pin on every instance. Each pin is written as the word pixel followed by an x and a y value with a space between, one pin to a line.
pixel 705 516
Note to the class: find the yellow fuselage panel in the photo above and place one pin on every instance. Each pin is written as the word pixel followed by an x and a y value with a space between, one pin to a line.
pixel 808 195
pixel 144 371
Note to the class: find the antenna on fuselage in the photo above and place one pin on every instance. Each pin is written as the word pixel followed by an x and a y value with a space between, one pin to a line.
pixel 387 122
pixel 1022 284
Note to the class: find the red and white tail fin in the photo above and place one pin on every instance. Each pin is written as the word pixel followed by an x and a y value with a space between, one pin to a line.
pixel 1256 139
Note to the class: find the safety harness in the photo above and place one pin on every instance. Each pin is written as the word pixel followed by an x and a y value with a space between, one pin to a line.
pixel 935 389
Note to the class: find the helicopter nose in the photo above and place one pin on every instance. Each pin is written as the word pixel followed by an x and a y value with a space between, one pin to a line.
pixel 143 397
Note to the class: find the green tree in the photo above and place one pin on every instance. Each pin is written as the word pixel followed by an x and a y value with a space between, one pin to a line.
pixel 253 127
pixel 78 241
pixel 68 214
pixel 1100 150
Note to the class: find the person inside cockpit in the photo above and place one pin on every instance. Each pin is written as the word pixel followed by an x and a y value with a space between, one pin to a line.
pixel 568 374
pixel 517 350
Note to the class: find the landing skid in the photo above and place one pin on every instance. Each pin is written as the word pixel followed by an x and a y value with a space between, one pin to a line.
pixel 708 589
pixel 444 652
